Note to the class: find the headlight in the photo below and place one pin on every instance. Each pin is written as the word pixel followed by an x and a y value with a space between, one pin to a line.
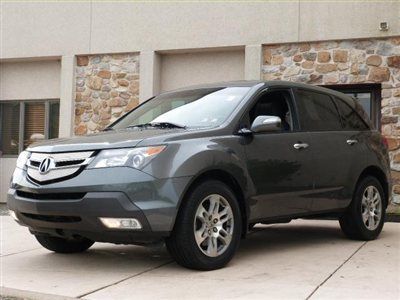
pixel 23 159
pixel 129 157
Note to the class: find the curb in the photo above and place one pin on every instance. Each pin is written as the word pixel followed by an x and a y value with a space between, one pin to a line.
pixel 28 295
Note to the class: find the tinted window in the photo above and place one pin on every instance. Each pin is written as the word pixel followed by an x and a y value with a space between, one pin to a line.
pixel 351 119
pixel 317 112
pixel 275 103
pixel 367 96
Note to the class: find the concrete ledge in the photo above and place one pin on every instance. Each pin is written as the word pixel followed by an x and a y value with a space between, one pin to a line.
pixel 28 295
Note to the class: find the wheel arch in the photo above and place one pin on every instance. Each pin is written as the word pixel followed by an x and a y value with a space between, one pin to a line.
pixel 228 179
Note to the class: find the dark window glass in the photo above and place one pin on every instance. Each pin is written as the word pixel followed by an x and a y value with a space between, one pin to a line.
pixel 317 112
pixel 351 119
pixel 54 119
pixel 9 128
pixel 365 99
pixel 368 97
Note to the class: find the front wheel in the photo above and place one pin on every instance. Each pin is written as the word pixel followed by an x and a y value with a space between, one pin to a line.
pixel 61 245
pixel 208 227
pixel 365 216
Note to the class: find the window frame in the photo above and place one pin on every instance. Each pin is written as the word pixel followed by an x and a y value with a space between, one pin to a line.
pixel 295 92
pixel 244 121
pixel 21 104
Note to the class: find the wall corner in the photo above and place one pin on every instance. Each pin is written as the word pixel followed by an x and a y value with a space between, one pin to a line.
pixel 253 62
pixel 67 96
pixel 150 69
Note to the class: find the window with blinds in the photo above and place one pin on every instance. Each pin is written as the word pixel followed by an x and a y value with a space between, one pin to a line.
pixel 34 123
pixel 25 122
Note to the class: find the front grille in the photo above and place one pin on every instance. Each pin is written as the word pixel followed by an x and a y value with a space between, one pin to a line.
pixel 54 219
pixel 51 196
pixel 57 166
pixel 69 162
pixel 35 163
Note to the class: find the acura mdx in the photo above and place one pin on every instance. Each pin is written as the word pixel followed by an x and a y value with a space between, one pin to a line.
pixel 198 167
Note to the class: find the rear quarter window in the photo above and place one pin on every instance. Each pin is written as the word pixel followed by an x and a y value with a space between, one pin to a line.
pixel 317 112
pixel 351 119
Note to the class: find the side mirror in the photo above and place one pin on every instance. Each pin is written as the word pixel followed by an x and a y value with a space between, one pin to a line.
pixel 266 124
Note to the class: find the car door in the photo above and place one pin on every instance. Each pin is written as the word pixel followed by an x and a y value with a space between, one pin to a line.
pixel 319 115
pixel 354 139
pixel 279 163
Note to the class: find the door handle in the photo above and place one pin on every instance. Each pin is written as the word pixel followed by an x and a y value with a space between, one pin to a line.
pixel 351 142
pixel 300 146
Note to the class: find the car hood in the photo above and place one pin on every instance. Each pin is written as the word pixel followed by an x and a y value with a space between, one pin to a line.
pixel 102 140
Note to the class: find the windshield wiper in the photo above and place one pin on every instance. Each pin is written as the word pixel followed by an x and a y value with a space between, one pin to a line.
pixel 158 125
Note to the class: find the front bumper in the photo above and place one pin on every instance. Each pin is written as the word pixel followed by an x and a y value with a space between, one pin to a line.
pixel 73 207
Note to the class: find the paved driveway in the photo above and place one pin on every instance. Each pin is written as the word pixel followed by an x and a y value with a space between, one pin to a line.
pixel 300 260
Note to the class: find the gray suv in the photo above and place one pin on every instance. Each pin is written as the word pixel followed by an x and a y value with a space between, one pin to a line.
pixel 198 167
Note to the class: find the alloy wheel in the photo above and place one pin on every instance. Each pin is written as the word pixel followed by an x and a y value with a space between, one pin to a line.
pixel 371 207
pixel 213 225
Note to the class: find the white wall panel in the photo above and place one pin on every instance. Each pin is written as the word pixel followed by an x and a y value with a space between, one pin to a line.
pixel 179 70
pixel 30 80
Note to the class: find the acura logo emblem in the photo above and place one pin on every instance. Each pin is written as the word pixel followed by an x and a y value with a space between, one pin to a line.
pixel 46 165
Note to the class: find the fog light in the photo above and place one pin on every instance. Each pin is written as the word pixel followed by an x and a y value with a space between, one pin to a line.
pixel 121 223
pixel 13 215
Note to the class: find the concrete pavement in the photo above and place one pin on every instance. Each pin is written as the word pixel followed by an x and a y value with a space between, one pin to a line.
pixel 299 260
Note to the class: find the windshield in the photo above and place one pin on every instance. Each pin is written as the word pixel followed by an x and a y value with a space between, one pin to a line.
pixel 207 107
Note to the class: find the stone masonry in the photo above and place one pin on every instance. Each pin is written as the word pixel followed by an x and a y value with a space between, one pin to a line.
pixel 107 86
pixel 346 62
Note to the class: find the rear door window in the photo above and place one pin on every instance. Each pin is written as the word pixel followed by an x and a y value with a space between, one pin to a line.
pixel 317 112
pixel 351 119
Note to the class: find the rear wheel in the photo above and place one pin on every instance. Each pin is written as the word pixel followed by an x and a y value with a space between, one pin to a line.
pixel 207 229
pixel 364 218
pixel 61 245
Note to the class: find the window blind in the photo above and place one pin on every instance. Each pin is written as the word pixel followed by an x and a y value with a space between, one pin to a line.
pixel 34 124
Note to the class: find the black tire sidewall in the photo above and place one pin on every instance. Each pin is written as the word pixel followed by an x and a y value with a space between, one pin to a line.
pixel 60 245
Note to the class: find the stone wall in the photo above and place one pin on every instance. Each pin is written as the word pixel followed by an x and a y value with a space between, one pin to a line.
pixel 346 62
pixel 107 86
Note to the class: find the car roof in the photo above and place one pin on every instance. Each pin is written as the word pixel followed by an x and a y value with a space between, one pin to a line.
pixel 263 84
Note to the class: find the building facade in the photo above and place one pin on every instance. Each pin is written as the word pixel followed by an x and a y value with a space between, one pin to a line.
pixel 73 68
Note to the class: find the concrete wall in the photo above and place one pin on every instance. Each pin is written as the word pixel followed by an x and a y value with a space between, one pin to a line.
pixel 33 29
pixel 55 29
pixel 30 80
pixel 179 70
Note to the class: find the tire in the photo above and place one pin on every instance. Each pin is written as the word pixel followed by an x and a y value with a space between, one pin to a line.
pixel 212 253
pixel 61 245
pixel 365 216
